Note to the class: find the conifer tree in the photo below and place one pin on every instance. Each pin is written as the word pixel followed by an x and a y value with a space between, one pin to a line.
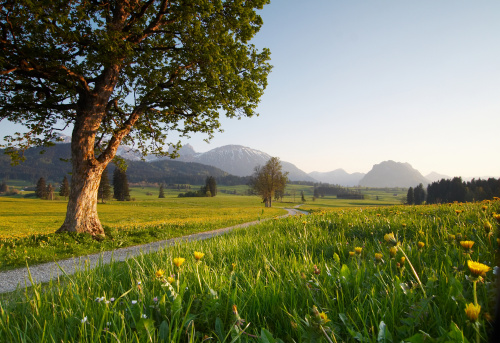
pixel 104 191
pixel 162 192
pixel 41 188
pixel 64 189
pixel 120 185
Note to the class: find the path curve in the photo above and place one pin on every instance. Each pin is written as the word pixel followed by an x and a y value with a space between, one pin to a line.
pixel 12 279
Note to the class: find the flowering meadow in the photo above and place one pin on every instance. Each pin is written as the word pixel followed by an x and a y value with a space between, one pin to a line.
pixel 387 274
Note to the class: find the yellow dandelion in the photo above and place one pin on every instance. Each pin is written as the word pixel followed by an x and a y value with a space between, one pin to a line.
pixel 159 273
pixel 484 207
pixel 323 317
pixel 198 255
pixel 487 226
pixel 497 217
pixel 420 245
pixel 477 268
pixel 458 211
pixel 393 251
pixel 170 279
pixel 467 244
pixel 378 256
pixel 178 261
pixel 358 250
pixel 352 253
pixel 389 237
pixel 451 237
pixel 402 260
pixel 472 311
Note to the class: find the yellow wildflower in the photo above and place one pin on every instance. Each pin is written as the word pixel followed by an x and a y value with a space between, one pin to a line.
pixel 389 237
pixel 358 250
pixel 487 226
pixel 467 244
pixel 393 251
pixel 159 273
pixel 477 269
pixel 402 261
pixel 323 317
pixel 170 279
pixel 472 311
pixel 378 256
pixel 352 253
pixel 420 245
pixel 458 211
pixel 198 255
pixel 178 261
pixel 497 217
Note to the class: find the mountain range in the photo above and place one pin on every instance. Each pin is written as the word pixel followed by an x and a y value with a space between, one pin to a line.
pixel 223 162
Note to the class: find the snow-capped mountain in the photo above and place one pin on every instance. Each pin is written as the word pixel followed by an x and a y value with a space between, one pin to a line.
pixel 239 160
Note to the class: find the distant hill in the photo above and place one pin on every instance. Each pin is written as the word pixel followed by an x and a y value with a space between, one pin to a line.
pixel 50 166
pixel 393 174
pixel 433 177
pixel 338 177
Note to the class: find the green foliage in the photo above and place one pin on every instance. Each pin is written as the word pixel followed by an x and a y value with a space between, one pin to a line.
pixel 183 64
pixel 162 192
pixel 41 189
pixel 268 179
pixel 120 185
pixel 64 189
pixel 104 191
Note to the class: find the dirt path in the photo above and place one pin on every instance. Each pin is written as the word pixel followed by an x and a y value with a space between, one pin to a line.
pixel 12 279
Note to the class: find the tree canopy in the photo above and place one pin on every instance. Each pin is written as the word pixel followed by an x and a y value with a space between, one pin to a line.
pixel 269 179
pixel 121 71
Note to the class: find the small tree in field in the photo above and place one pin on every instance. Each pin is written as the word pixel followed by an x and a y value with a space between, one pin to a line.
pixel 120 185
pixel 41 188
pixel 162 192
pixel 268 179
pixel 131 72
pixel 104 191
pixel 49 195
pixel 64 189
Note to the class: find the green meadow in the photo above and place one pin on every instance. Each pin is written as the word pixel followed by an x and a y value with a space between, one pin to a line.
pixel 371 274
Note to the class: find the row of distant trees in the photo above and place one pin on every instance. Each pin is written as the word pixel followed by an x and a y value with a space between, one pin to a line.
pixel 120 189
pixel 450 190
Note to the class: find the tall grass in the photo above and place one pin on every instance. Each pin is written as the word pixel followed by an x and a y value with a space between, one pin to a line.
pixel 291 279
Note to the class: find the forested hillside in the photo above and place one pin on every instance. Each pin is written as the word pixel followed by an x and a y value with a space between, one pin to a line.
pixel 53 165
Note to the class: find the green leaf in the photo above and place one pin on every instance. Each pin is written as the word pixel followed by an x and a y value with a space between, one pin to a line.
pixel 417 338
pixel 266 336
pixel 384 335
pixel 219 329
pixel 345 273
pixel 456 335
pixel 163 332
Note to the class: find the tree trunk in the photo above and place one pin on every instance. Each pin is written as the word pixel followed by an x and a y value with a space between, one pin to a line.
pixel 81 214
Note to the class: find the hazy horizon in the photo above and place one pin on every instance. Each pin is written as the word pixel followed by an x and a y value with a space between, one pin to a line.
pixel 358 83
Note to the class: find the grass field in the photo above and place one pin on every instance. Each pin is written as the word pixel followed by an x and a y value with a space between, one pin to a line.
pixel 327 277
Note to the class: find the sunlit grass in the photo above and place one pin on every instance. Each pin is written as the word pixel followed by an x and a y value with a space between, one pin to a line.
pixel 292 279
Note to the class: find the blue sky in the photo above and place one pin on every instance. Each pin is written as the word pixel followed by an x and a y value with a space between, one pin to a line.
pixel 356 83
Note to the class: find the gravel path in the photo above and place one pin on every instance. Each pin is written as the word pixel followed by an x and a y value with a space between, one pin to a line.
pixel 12 279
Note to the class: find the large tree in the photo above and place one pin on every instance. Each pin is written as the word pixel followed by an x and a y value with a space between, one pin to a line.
pixel 269 179
pixel 124 71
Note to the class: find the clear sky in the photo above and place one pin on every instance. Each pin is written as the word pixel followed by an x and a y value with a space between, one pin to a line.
pixel 356 83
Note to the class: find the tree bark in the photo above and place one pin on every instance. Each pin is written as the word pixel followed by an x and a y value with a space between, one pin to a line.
pixel 81 213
